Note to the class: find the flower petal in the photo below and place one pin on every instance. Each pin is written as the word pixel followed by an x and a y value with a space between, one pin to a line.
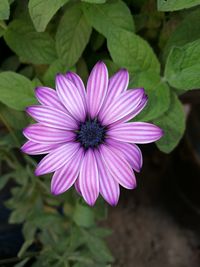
pixel 65 177
pixel 42 134
pixel 117 84
pixel 48 97
pixel 89 179
pixel 97 88
pixel 109 188
pixel 135 112
pixel 136 132
pixel 57 158
pixel 131 152
pixel 52 117
pixel 76 80
pixel 33 148
pixel 70 97
pixel 118 166
pixel 122 106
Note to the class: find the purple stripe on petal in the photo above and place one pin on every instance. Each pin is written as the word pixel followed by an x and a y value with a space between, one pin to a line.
pixel 52 118
pixel 135 112
pixel 135 132
pixel 122 106
pixel 57 158
pixel 65 177
pixel 48 97
pixel 118 166
pixel 89 179
pixel 42 134
pixel 109 188
pixel 131 152
pixel 117 84
pixel 76 80
pixel 97 88
pixel 33 148
pixel 70 97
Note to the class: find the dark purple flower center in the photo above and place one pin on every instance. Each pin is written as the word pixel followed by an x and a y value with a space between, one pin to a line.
pixel 91 133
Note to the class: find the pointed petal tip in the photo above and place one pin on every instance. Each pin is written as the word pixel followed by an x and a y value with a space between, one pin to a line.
pixel 145 97
pixel 24 131
pixel 113 203
pixel 36 89
pixel 58 76
pixel 27 109
pixel 101 63
pixel 91 203
pixel 37 172
pixel 162 133
pixel 22 149
pixel 124 70
pixel 141 90
pixel 54 192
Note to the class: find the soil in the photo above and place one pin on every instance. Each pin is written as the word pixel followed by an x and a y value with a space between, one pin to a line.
pixel 148 231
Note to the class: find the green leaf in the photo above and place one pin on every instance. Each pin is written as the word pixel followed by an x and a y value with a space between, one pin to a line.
pixel 10 63
pixel 172 5
pixel 108 17
pixel 83 215
pixel 132 52
pixel 112 67
pixel 158 95
pixel 29 45
pixel 2 28
pixel 29 230
pixel 97 41
pixel 4 9
pixel 95 1
pixel 56 67
pixel 98 248
pixel 173 124
pixel 182 69
pixel 22 263
pixel 82 69
pixel 187 31
pixel 15 119
pixel 72 35
pixel 24 247
pixel 41 12
pixel 4 180
pixel 16 91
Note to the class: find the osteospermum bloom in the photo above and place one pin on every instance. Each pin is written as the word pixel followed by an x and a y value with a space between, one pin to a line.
pixel 86 134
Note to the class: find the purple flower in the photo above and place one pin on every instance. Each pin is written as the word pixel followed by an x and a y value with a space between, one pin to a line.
pixel 86 136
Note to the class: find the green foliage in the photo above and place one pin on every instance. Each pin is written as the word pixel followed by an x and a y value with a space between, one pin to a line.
pixel 183 66
pixel 72 35
pixel 83 215
pixel 15 119
pixel 172 5
pixel 173 124
pixel 130 51
pixel 29 45
pixel 158 95
pixel 16 91
pixel 41 12
pixel 56 67
pixel 4 9
pixel 187 31
pixel 95 1
pixel 108 17
pixel 46 37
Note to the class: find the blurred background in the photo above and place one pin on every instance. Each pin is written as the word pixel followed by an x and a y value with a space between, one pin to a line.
pixel 157 224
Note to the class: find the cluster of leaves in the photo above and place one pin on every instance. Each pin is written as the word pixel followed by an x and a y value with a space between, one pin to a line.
pixel 160 49
pixel 58 232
